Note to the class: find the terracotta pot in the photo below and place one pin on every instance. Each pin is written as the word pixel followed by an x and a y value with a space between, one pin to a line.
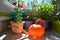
pixel 15 27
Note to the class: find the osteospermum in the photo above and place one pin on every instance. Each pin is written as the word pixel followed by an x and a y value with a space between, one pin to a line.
pixel 14 3
pixel 21 5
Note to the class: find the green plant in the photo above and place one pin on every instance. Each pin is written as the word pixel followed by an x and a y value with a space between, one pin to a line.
pixel 7 0
pixel 17 14
pixel 30 17
pixel 54 2
pixel 28 13
pixel 18 17
pixel 45 11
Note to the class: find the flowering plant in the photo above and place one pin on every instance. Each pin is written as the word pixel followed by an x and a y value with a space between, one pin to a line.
pixel 18 13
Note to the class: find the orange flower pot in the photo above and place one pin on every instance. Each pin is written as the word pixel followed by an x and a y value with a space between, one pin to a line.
pixel 15 27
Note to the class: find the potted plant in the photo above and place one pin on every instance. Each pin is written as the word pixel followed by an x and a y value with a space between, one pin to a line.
pixel 55 23
pixel 28 19
pixel 17 16
pixel 17 22
pixel 45 12
pixel 31 14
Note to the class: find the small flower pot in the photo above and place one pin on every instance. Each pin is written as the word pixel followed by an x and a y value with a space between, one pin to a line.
pixel 27 24
pixel 15 27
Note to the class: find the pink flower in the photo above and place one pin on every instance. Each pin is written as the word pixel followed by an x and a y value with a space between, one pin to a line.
pixel 21 5
pixel 14 3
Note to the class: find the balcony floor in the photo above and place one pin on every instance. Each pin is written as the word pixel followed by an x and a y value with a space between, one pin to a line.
pixel 49 35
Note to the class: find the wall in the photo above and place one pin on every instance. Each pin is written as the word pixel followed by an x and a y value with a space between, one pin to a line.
pixel 5 7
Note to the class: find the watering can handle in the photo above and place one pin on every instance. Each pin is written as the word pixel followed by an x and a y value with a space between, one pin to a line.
pixel 40 20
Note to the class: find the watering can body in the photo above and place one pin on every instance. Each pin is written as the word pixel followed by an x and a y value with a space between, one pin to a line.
pixel 36 32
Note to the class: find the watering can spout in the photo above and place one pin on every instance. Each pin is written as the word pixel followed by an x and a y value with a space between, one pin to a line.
pixel 25 31
pixel 17 26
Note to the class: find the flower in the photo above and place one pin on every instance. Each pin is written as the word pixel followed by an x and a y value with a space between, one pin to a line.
pixel 21 5
pixel 14 3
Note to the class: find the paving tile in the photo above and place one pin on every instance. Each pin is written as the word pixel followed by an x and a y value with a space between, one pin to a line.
pixel 49 35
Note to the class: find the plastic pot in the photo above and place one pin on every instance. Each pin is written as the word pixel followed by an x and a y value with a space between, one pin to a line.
pixel 55 25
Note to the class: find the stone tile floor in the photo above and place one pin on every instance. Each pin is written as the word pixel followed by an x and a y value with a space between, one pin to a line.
pixel 52 35
pixel 49 35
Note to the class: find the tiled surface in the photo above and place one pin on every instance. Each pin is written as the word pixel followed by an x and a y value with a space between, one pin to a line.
pixel 10 35
pixel 49 35
pixel 52 35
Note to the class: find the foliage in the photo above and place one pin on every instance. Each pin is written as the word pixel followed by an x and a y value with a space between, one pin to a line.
pixel 54 2
pixel 18 12
pixel 57 16
pixel 17 15
pixel 45 11
pixel 28 14
pixel 6 0
pixel 21 1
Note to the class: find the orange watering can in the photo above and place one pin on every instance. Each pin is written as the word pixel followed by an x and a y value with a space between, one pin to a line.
pixel 35 30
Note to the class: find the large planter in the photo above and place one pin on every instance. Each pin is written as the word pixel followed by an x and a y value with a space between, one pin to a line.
pixel 55 25
pixel 15 27
pixel 27 24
